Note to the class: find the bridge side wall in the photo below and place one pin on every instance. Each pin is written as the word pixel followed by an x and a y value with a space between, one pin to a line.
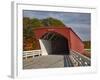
pixel 45 46
pixel 76 43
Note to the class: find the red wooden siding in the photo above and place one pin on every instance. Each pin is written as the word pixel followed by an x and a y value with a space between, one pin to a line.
pixel 76 43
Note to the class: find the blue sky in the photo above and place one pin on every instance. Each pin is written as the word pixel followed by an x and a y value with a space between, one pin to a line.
pixel 79 22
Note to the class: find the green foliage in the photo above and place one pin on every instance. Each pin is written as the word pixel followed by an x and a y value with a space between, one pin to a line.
pixel 55 22
pixel 28 32
pixel 28 38
pixel 45 22
pixel 52 22
pixel 87 44
pixel 35 23
pixel 26 22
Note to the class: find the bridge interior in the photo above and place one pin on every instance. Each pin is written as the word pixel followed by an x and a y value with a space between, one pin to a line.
pixel 55 43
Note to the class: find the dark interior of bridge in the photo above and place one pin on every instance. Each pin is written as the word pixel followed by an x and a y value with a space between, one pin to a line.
pixel 56 43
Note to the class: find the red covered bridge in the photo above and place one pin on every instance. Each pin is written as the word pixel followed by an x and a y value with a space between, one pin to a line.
pixel 58 40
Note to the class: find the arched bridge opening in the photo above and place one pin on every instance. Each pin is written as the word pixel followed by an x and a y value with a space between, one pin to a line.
pixel 55 44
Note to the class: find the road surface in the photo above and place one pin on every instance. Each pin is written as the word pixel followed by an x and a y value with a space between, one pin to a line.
pixel 56 61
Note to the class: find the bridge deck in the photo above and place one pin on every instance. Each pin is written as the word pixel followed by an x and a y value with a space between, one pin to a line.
pixel 55 61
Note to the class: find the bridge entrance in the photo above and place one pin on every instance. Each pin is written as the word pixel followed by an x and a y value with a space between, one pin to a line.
pixel 54 44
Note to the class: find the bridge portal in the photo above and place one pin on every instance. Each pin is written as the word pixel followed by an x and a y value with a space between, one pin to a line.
pixel 59 41
pixel 53 43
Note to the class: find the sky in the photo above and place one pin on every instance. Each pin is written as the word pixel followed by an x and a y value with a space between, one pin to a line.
pixel 79 22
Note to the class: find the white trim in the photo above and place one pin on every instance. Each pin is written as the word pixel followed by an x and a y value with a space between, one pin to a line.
pixel 14 66
pixel 80 54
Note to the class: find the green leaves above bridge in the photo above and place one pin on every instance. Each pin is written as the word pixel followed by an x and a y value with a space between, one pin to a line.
pixel 47 22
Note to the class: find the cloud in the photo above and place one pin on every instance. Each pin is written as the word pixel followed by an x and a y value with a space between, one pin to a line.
pixel 82 30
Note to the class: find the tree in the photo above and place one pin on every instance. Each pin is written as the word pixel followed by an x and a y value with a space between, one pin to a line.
pixel 35 23
pixel 26 22
pixel 52 22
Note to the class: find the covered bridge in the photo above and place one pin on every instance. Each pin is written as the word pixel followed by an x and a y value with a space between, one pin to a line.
pixel 58 40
